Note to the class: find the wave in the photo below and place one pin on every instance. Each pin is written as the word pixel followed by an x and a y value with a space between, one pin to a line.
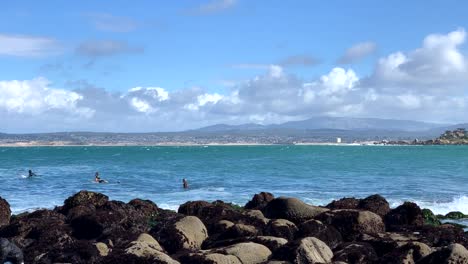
pixel 457 204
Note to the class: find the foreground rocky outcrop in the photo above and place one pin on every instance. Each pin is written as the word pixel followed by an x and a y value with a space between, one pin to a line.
pixel 90 228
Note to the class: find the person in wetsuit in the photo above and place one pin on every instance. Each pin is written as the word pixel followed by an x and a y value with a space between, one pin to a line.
pixel 98 179
pixel 30 173
pixel 185 183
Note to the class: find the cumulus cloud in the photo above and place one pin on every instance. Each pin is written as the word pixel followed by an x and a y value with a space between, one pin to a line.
pixel 28 46
pixel 357 52
pixel 103 48
pixel 212 7
pixel 428 83
pixel 112 23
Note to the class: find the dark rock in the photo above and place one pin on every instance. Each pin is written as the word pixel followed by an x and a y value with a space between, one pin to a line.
pixel 281 228
pixel 356 253
pixel 10 252
pixel 145 207
pixel 84 198
pixel 376 204
pixel 430 218
pixel 353 223
pixel 408 253
pixel 259 201
pixel 239 230
pixel 326 233
pixel 86 227
pixel 443 235
pixel 407 214
pixel 305 250
pixel 291 209
pixel 344 203
pixel 193 207
pixel 5 212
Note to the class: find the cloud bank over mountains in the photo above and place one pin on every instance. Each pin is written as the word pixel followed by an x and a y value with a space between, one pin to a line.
pixel 428 83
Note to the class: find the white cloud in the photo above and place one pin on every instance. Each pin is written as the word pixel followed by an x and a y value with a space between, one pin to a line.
pixel 357 52
pixel 28 46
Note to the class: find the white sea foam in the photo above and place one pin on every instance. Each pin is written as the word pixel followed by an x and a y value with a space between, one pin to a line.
pixel 457 204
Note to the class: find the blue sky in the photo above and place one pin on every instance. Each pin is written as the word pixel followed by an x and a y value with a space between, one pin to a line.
pixel 216 48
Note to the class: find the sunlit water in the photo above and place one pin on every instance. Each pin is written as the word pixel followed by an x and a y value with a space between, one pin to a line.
pixel 435 177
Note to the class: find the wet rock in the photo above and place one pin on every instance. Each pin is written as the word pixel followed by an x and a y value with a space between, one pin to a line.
pixel 259 201
pixel 344 203
pixel 281 228
pixel 326 233
pixel 443 235
pixel 10 252
pixel 407 214
pixel 356 253
pixel 452 254
pixel 353 223
pixel 185 233
pixel 291 209
pixel 376 204
pixel 5 212
pixel 251 253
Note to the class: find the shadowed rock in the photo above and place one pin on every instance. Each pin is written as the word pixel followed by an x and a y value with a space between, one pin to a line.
pixel 5 212
pixel 259 201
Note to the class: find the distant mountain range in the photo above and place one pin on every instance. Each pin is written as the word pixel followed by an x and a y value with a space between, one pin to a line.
pixel 339 123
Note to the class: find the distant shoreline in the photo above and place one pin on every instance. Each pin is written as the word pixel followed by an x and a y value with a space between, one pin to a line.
pixel 174 144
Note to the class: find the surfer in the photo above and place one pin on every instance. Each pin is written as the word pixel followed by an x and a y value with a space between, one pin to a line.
pixel 30 173
pixel 98 179
pixel 185 183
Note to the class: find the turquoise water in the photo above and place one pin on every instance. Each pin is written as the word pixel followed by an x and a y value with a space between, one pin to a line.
pixel 435 177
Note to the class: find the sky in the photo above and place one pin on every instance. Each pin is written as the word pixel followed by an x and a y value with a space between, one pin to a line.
pixel 117 66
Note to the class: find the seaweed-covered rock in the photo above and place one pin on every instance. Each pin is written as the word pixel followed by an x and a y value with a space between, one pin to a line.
pixel 407 214
pixel 376 204
pixel 353 223
pixel 455 215
pixel 344 203
pixel 259 201
pixel 291 209
pixel 84 198
pixel 430 218
pixel 5 212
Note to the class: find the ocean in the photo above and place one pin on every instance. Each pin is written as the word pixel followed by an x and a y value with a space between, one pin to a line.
pixel 435 177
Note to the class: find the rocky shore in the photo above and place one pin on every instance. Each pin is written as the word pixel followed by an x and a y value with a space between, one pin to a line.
pixel 89 228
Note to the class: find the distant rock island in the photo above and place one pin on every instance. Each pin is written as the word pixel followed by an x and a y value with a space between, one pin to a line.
pixel 458 136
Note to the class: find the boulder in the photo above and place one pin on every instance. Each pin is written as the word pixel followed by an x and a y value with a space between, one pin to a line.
pixel 452 254
pixel 281 228
pixel 306 250
pixel 193 207
pixel 291 209
pixel 247 253
pixel 443 235
pixel 344 203
pixel 256 216
pixel 407 214
pixel 259 201
pixel 222 226
pixel 353 223
pixel 410 252
pixel 271 242
pixel 356 253
pixel 84 198
pixel 326 233
pixel 145 207
pixel 239 230
pixel 5 212
pixel 185 233
pixel 376 204
pixel 455 215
